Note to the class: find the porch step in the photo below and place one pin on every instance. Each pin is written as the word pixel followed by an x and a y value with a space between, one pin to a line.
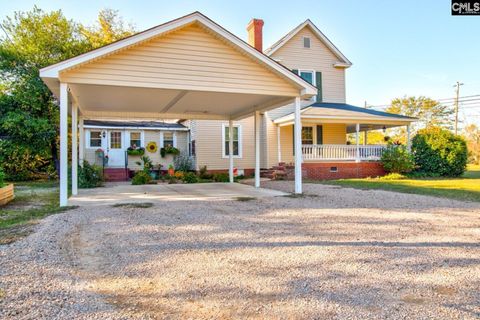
pixel 115 174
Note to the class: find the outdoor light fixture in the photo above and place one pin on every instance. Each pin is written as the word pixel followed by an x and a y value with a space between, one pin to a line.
pixel 384 129
pixel 104 134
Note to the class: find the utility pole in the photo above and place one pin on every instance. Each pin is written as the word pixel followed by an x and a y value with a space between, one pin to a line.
pixel 457 85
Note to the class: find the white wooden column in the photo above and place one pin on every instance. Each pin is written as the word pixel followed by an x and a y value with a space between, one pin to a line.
pixel 279 145
pixel 298 147
pixel 257 149
pixel 63 144
pixel 409 143
pixel 230 150
pixel 74 149
pixel 81 141
pixel 357 156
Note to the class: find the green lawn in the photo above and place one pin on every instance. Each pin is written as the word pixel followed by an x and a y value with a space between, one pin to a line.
pixel 33 201
pixel 466 187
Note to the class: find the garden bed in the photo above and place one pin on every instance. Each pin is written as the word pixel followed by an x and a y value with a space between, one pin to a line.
pixel 6 194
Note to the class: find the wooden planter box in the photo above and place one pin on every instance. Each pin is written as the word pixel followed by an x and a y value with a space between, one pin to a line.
pixel 6 194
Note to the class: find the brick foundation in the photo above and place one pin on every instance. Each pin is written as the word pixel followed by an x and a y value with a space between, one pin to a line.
pixel 345 170
pixel 247 172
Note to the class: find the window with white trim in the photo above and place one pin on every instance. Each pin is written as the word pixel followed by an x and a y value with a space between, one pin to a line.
pixel 135 139
pixel 237 141
pixel 95 140
pixel 307 75
pixel 168 139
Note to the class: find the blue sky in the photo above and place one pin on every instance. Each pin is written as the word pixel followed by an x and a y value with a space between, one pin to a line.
pixel 397 47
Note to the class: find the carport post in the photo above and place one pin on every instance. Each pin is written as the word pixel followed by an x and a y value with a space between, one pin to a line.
pixel 357 138
pixel 257 149
pixel 63 144
pixel 74 149
pixel 230 149
pixel 81 140
pixel 298 147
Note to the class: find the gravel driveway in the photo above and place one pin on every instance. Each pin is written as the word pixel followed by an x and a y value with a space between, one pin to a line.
pixel 332 254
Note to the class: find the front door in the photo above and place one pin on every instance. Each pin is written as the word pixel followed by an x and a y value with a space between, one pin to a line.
pixel 115 149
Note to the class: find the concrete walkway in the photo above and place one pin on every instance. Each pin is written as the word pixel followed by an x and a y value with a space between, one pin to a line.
pixel 124 192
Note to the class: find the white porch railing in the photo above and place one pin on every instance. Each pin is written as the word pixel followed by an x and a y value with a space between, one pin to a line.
pixel 341 152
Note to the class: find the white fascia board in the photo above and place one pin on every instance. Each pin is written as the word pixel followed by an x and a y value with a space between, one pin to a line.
pixel 54 70
pixel 135 128
pixel 346 118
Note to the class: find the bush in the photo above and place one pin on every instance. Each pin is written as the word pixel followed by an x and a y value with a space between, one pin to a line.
pixel 90 176
pixel 397 159
pixel 438 152
pixel 179 174
pixel 221 177
pixel 190 177
pixel 204 174
pixel 393 176
pixel 183 163
pixel 2 178
pixel 141 177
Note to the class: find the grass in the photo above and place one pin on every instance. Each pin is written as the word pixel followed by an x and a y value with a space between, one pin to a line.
pixel 33 201
pixel 466 187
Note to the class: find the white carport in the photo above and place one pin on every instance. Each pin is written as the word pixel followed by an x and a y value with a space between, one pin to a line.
pixel 188 68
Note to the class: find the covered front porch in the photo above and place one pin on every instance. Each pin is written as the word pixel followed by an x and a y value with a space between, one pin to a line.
pixel 334 132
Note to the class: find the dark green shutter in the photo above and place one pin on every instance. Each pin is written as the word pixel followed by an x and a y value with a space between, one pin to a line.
pixel 318 79
pixel 319 134
pixel 295 71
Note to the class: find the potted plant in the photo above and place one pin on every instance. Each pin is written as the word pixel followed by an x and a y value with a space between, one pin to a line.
pixel 169 150
pixel 148 166
pixel 171 170
pixel 135 151
pixel 6 191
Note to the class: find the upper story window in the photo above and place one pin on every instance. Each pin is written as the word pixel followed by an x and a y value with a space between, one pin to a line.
pixel 307 75
pixel 95 139
pixel 306 42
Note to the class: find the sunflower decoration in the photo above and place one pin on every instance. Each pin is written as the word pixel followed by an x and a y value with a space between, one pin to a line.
pixel 152 147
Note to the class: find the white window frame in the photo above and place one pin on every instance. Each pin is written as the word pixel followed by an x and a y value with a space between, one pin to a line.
pixel 142 138
pixel 240 141
pixel 313 72
pixel 174 133
pixel 88 135
pixel 309 42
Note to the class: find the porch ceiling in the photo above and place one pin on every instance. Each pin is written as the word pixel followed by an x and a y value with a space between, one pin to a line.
pixel 100 101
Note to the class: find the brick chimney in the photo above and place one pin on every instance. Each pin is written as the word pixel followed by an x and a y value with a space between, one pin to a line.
pixel 255 34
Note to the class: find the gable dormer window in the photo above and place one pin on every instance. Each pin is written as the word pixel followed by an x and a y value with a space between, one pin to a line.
pixel 306 42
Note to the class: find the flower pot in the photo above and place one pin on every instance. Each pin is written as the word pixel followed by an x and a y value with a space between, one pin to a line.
pixel 171 172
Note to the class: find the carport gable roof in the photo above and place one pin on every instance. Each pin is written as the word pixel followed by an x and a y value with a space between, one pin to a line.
pixel 53 71
pixel 340 111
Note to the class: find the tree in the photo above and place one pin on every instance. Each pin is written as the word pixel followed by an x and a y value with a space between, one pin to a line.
pixel 29 114
pixel 472 135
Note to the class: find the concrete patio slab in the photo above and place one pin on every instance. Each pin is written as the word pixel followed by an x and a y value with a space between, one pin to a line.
pixel 123 192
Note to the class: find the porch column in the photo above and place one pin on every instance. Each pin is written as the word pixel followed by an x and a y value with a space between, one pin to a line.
pixel 74 149
pixel 257 149
pixel 230 150
pixel 409 144
pixel 279 147
pixel 81 141
pixel 357 156
pixel 63 144
pixel 298 147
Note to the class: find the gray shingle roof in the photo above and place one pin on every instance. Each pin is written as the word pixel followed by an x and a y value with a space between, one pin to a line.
pixel 139 124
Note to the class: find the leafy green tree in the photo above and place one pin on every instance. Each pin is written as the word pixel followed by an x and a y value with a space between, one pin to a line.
pixel 472 135
pixel 29 115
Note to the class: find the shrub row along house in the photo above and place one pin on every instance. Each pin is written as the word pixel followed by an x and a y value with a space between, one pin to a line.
pixel 215 93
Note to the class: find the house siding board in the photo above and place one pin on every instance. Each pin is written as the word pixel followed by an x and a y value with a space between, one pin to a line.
pixel 208 144
pixel 319 58
pixel 187 59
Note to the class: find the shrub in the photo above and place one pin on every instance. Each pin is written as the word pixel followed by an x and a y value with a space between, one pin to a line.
pixel 183 163
pixel 2 178
pixel 438 152
pixel 397 159
pixel 393 176
pixel 221 177
pixel 204 174
pixel 190 177
pixel 90 176
pixel 179 175
pixel 141 177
